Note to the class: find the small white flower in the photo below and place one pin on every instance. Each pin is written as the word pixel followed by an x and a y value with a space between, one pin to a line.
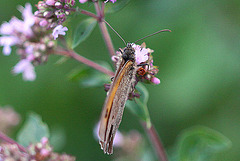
pixel 6 29
pixel 141 54
pixel 25 67
pixel 7 42
pixel 28 19
pixel 59 30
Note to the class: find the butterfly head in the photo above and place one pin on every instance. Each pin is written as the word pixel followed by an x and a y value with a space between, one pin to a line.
pixel 128 53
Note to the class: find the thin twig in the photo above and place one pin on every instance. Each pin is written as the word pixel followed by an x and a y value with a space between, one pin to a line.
pixel 84 12
pixel 102 9
pixel 83 60
pixel 103 28
pixel 9 140
pixel 156 142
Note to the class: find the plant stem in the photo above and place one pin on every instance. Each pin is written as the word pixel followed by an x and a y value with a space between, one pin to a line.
pixel 156 142
pixel 104 30
pixel 88 13
pixel 74 55
pixel 9 140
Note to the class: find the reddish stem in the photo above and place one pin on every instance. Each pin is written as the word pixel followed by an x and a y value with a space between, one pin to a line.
pixel 9 140
pixel 103 28
pixel 156 142
pixel 74 55
pixel 88 13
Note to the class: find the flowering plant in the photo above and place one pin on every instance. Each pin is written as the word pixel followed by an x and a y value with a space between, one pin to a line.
pixel 42 34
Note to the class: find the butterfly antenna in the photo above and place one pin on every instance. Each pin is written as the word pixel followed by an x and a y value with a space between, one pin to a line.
pixel 165 30
pixel 115 32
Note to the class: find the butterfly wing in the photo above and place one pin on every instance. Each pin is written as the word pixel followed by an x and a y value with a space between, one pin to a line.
pixel 114 105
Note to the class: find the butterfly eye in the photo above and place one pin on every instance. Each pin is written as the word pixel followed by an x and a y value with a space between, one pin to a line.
pixel 124 56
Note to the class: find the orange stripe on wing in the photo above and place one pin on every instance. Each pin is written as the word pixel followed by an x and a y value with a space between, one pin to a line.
pixel 108 105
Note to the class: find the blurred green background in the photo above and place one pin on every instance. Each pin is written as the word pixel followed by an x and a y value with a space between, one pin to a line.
pixel 199 64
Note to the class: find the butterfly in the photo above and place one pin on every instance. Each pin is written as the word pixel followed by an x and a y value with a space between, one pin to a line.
pixel 117 96
pixel 122 84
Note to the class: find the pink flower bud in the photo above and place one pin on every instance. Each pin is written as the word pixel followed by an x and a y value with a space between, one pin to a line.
pixel 44 140
pixel 45 152
pixel 43 22
pixel 115 58
pixel 47 14
pixel 83 1
pixel 58 5
pixel 50 2
pixel 155 80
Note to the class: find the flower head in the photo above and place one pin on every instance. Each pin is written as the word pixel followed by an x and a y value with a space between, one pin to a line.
pixel 33 42
pixel 59 30
pixel 146 71
pixel 54 12
pixel 16 30
pixel 38 151
pixel 141 54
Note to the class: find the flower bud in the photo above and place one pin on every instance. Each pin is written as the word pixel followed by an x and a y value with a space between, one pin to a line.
pixel 70 2
pixel 37 13
pixel 155 80
pixel 58 5
pixel 50 2
pixel 47 14
pixel 43 23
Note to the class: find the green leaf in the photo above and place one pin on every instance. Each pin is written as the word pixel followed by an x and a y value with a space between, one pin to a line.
pixel 62 60
pixel 117 6
pixel 94 79
pixel 83 30
pixel 200 144
pixel 139 105
pixel 33 130
pixel 78 73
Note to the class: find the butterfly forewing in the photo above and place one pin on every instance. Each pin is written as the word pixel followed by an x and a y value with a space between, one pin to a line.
pixel 114 104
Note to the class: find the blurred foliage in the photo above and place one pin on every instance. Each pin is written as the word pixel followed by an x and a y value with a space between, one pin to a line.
pixel 139 105
pixel 83 30
pixel 200 144
pixel 32 131
pixel 199 72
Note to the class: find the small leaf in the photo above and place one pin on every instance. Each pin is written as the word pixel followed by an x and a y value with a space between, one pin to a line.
pixel 78 73
pixel 200 144
pixel 83 30
pixel 62 60
pixel 33 130
pixel 139 105
pixel 95 79
pixel 117 6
